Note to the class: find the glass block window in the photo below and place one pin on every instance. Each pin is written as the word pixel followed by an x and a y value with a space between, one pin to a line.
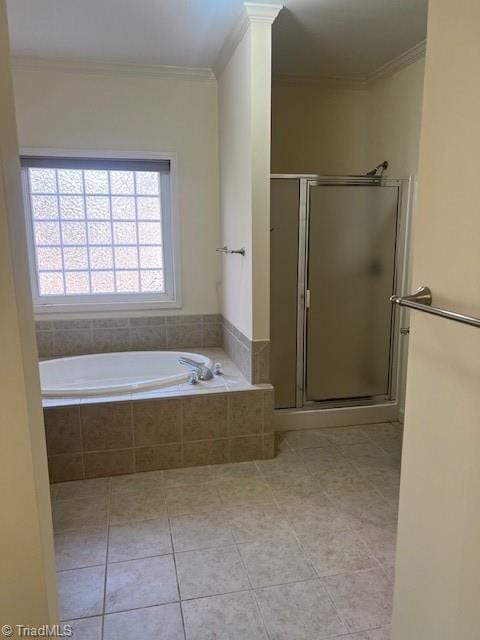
pixel 100 230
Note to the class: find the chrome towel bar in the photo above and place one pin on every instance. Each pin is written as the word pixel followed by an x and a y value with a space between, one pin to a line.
pixel 421 300
pixel 225 249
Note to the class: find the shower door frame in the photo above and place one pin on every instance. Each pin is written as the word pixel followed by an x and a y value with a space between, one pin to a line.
pixel 401 284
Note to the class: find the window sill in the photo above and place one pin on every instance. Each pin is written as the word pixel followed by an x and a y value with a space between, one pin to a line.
pixel 102 310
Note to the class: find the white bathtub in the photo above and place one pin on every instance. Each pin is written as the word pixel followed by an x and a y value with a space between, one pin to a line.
pixel 114 373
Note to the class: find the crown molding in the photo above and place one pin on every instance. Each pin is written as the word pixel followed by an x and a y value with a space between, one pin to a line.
pixel 358 81
pixel 259 12
pixel 251 13
pixel 94 67
pixel 351 82
pixel 403 60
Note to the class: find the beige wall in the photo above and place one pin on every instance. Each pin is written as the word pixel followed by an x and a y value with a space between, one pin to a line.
pixel 437 591
pixel 152 114
pixel 244 134
pixel 27 583
pixel 333 128
pixel 393 119
pixel 318 128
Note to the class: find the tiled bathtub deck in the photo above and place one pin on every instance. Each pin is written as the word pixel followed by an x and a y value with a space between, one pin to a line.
pixel 223 420
pixel 231 380
pixel 300 547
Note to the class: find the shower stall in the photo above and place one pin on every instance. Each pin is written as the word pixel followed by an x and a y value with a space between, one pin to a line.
pixel 338 252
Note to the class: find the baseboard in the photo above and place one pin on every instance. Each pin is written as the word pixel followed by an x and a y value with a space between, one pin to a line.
pixel 290 420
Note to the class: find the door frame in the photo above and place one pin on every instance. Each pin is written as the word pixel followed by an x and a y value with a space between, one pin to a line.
pixel 401 285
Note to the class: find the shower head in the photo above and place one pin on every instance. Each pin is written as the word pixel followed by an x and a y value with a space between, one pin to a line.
pixel 378 171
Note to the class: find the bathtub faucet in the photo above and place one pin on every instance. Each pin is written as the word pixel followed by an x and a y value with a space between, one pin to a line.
pixel 204 372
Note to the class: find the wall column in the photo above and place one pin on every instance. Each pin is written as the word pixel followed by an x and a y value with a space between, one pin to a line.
pixel 244 75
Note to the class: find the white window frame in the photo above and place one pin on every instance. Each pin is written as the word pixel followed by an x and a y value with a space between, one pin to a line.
pixel 108 305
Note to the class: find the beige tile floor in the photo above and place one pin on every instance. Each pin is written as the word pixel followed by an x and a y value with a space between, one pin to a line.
pixel 300 547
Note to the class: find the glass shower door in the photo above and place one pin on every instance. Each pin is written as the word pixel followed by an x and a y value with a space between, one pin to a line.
pixel 350 277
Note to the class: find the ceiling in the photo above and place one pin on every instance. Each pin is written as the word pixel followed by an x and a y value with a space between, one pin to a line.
pixel 335 38
pixel 345 38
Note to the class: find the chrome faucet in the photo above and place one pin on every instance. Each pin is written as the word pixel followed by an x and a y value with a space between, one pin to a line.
pixel 204 372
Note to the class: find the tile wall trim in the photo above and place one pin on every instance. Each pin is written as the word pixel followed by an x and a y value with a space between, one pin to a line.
pixel 252 357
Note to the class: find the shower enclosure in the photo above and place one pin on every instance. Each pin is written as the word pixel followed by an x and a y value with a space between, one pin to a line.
pixel 337 255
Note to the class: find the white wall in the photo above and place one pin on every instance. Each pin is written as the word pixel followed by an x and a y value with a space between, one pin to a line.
pixel 437 590
pixel 137 113
pixel 261 161
pixel 27 583
pixel 235 127
pixel 244 92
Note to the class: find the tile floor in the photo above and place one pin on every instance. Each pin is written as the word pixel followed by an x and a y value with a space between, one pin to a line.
pixel 300 547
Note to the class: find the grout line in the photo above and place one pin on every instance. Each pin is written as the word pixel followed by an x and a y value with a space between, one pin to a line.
pixel 252 589
pixel 147 606
pixel 82 447
pixel 106 554
pixel 179 595
pixel 132 427
pixel 335 608
pixel 182 430
pixel 262 617
pixel 170 529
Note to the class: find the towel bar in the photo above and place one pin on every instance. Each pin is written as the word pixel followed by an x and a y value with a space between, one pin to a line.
pixel 421 300
pixel 225 249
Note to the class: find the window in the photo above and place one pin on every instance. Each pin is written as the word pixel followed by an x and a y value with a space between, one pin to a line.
pixel 100 232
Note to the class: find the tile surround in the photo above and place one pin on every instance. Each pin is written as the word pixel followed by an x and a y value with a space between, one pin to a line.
pixel 165 456
pixel 157 422
pixel 106 463
pixel 62 430
pixel 62 338
pixel 116 438
pixel 252 357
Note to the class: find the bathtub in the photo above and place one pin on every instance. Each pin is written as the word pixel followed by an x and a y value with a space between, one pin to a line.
pixel 114 373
